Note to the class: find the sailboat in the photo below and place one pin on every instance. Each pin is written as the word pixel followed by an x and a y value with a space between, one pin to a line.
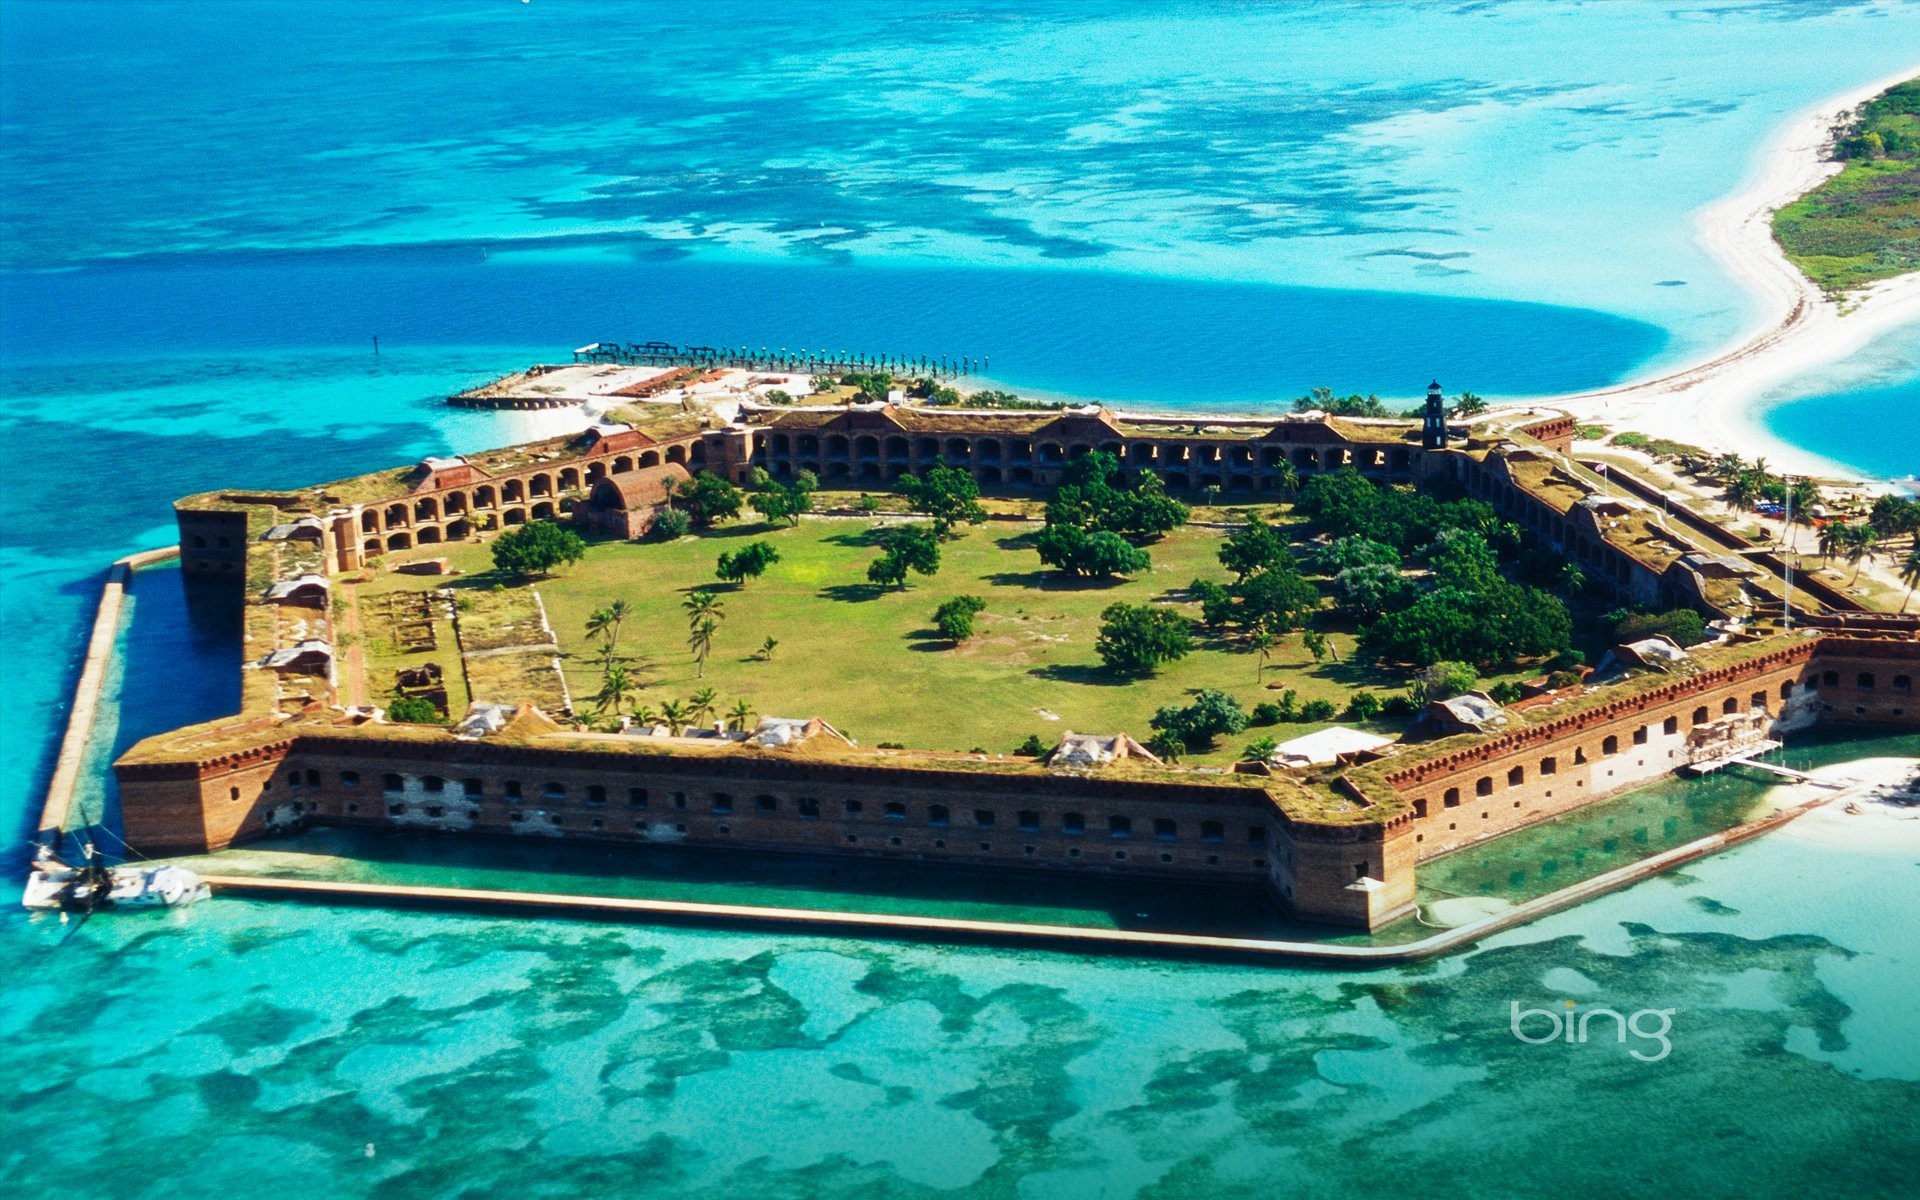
pixel 93 885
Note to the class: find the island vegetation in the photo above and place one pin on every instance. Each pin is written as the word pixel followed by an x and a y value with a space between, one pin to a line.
pixel 1863 224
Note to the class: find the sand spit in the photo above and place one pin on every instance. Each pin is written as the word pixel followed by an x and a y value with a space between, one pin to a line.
pixel 1713 402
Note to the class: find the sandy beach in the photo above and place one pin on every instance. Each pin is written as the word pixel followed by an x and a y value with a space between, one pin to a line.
pixel 1861 817
pixel 1715 402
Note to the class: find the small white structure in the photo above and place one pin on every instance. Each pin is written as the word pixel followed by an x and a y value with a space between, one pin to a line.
pixel 1325 748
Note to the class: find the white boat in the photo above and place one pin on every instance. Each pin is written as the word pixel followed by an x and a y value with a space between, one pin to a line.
pixel 55 885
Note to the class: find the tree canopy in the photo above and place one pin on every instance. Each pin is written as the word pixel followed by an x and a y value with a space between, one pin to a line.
pixel 748 562
pixel 949 495
pixel 1212 714
pixel 954 618
pixel 1323 400
pixel 1092 497
pixel 777 501
pixel 1071 548
pixel 708 499
pixel 908 548
pixel 1136 639
pixel 536 548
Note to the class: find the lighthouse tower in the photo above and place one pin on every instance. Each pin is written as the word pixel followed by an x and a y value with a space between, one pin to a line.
pixel 1434 432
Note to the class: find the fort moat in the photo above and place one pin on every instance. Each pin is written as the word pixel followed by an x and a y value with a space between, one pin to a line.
pixel 399 678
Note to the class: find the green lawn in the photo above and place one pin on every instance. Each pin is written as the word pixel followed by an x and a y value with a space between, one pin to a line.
pixel 869 662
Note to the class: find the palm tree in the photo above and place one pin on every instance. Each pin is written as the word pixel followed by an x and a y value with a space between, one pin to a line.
pixel 1833 535
pixel 1910 575
pixel 767 648
pixel 1469 405
pixel 1263 643
pixel 1287 478
pixel 599 622
pixel 700 641
pixel 645 717
pixel 1742 491
pixel 616 688
pixel 674 714
pixel 703 606
pixel 1572 579
pixel 618 612
pixel 700 704
pixel 742 713
pixel 1861 543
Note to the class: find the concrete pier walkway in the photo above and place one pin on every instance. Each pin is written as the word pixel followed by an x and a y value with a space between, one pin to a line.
pixel 56 809
pixel 956 930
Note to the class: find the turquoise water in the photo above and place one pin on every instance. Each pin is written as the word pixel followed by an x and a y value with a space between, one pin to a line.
pixel 211 211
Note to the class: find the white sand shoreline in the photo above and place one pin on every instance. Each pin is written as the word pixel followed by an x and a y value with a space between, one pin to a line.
pixel 1714 402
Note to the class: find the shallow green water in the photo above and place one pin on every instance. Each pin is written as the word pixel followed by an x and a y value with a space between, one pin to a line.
pixel 1578 846
pixel 775 880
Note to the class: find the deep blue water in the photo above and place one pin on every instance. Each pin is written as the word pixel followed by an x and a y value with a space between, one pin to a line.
pixel 208 212
pixel 1124 337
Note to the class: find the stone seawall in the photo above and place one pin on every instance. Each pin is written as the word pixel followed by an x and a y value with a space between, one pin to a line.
pixel 56 811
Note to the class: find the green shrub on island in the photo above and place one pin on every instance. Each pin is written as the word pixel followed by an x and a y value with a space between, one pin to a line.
pixel 1858 226
pixel 537 548
pixel 1259 749
pixel 1033 747
pixel 1363 706
pixel 1212 715
pixel 749 562
pixel 1137 639
pixel 1683 625
pixel 414 710
pixel 1315 711
pixel 954 618
pixel 670 524
pixel 1266 713
pixel 1505 692
pixel 1443 681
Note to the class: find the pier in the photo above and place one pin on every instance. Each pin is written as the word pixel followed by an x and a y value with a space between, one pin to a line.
pixel 802 361
pixel 953 930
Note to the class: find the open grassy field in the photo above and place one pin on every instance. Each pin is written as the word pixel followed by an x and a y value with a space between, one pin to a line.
pixel 869 661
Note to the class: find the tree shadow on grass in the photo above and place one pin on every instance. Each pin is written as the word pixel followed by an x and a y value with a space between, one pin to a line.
pixel 1054 581
pixel 853 592
pixel 1092 676
pixel 740 529
pixel 1018 541
pixel 873 535
pixel 928 641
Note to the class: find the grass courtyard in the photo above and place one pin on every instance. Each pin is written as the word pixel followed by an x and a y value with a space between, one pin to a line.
pixel 869 661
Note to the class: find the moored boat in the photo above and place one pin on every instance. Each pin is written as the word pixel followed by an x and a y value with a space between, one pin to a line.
pixel 93 885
